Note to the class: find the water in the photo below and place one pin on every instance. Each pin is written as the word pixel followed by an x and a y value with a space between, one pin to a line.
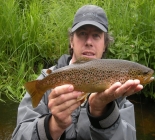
pixel 144 112
pixel 8 117
pixel 145 117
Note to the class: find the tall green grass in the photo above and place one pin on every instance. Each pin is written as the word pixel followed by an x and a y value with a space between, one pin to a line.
pixel 133 28
pixel 34 33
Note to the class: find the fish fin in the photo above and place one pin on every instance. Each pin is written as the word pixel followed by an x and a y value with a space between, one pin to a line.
pixel 49 71
pixel 83 60
pixel 35 93
pixel 83 97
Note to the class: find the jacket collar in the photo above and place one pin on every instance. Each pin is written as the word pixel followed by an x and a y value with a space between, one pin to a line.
pixel 63 61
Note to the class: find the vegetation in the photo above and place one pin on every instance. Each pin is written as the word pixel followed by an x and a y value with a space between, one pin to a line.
pixel 34 33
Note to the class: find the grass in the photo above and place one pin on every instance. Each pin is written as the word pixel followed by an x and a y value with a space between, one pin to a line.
pixel 34 33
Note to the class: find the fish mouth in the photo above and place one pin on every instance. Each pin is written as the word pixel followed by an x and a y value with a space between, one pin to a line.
pixel 149 79
pixel 89 54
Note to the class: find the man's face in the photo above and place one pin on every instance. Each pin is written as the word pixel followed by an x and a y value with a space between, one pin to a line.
pixel 87 41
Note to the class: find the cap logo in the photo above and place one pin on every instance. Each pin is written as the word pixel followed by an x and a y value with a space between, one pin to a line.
pixel 90 14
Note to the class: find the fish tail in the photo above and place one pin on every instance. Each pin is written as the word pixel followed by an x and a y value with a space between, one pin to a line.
pixel 35 92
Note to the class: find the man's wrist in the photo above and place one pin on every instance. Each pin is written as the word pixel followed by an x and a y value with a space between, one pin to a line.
pixel 55 130
pixel 97 112
pixel 105 120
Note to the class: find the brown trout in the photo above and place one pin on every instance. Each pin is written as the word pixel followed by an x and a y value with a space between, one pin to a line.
pixel 90 75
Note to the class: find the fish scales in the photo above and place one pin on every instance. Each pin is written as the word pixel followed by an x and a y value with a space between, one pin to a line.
pixel 90 75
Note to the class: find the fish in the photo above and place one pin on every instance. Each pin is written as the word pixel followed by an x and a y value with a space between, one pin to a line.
pixel 89 75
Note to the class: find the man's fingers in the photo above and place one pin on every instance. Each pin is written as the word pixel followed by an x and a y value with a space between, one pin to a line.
pixel 63 111
pixel 125 86
pixel 133 89
pixel 67 107
pixel 61 90
pixel 113 88
pixel 128 88
pixel 63 98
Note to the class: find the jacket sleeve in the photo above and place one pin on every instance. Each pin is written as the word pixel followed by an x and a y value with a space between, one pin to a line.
pixel 30 121
pixel 118 124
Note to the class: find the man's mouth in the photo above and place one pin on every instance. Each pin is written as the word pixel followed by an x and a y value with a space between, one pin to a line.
pixel 88 54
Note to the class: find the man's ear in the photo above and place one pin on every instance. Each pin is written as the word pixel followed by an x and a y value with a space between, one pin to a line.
pixel 71 41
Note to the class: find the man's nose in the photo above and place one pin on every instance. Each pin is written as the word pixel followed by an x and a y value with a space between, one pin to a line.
pixel 89 40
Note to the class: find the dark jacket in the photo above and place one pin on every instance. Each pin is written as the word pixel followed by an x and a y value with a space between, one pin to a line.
pixel 117 124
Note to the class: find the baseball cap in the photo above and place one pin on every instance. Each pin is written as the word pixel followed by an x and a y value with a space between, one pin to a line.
pixel 92 15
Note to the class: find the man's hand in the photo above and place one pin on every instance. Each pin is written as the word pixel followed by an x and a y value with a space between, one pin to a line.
pixel 62 102
pixel 99 101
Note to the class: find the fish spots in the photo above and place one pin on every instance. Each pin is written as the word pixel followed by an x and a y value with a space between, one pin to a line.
pixel 91 74
pixel 66 77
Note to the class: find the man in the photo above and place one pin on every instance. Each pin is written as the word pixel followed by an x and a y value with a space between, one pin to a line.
pixel 106 115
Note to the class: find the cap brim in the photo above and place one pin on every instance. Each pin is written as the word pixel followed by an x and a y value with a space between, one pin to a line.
pixel 100 26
